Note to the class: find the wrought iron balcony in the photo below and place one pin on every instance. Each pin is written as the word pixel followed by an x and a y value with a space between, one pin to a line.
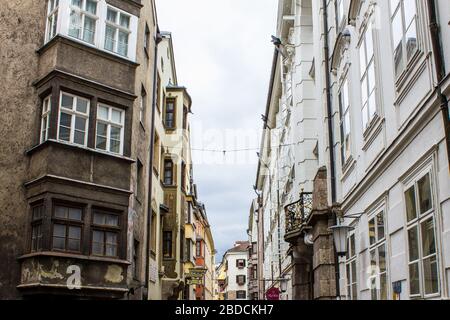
pixel 297 214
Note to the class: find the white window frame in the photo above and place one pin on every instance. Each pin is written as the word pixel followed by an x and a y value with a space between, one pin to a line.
pixel 350 263
pixel 74 114
pixel 343 113
pixel 45 118
pixel 375 273
pixel 340 14
pixel 400 9
pixel 52 19
pixel 83 13
pixel 118 27
pixel 108 122
pixel 417 223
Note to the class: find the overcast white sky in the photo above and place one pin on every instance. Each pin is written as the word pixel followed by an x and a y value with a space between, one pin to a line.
pixel 223 56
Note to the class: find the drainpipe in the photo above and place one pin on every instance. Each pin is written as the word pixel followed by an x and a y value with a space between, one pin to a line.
pixel 440 68
pixel 157 39
pixel 330 130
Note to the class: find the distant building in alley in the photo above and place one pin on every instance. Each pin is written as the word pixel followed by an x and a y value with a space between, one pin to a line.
pixel 235 262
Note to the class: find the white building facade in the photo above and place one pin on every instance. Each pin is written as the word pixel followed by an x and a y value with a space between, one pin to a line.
pixel 236 263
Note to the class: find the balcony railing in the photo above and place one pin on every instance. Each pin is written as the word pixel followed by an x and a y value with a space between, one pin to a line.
pixel 297 213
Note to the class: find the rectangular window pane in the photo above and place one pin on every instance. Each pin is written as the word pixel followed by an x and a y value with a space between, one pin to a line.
pixel 102 113
pixel 91 6
pixel 67 102
pixel 372 231
pixel 383 286
pixel 125 21
pixel 428 243
pixel 75 213
pixel 411 40
pixel 380 226
pixel 430 274
pixel 111 15
pixel 109 38
pixel 414 285
pixel 74 239
pixel 116 116
pixel 101 136
pixel 89 29
pixel 410 199
pixel 97 243
pixel 413 244
pixel 59 236
pixel 424 188
pixel 122 48
pixel 61 212
pixel 382 258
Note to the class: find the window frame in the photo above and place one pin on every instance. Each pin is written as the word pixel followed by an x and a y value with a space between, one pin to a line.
pixel 417 223
pixel 67 223
pixel 167 252
pixel 45 118
pixel 239 277
pixel 342 121
pixel 244 292
pixel 82 12
pixel 52 19
pixel 74 114
pixel 105 229
pixel 351 263
pixel 173 112
pixel 374 247
pixel 166 169
pixel 117 28
pixel 37 222
pixel 110 123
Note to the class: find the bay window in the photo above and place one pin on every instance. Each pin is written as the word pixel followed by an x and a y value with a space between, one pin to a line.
pixel 73 119
pixel 117 31
pixel 110 127
pixel 368 78
pixel 404 32
pixel 36 227
pixel 52 18
pixel 45 118
pixel 105 234
pixel 83 20
pixel 344 109
pixel 377 250
pixel 422 251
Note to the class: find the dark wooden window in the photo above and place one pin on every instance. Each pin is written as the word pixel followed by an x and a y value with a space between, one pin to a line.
pixel 240 280
pixel 105 234
pixel 67 228
pixel 158 92
pixel 241 294
pixel 167 244
pixel 139 180
pixel 183 176
pixel 240 263
pixel 169 119
pixel 168 172
pixel 136 259
pixel 147 40
pixel 37 212
pixel 185 117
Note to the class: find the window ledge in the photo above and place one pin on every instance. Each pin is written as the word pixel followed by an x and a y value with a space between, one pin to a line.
pixel 55 254
pixel 74 146
pixel 348 167
pixel 404 77
pixel 372 131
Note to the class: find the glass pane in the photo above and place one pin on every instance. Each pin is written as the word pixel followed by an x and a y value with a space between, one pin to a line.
pixel 76 3
pixel 67 102
pixel 373 261
pixel 397 29
pixel 394 5
pixel 115 133
pixel 411 40
pixel 382 258
pixel 365 119
pixel 111 238
pixel 372 231
pixel 369 43
pixel 424 188
pixel 413 244
pixel 73 245
pixel 125 21
pixel 364 94
pixel 372 106
pixel 102 129
pixel 59 243
pixel 91 6
pixel 410 10
pixel 97 248
pixel 61 212
pixel 111 250
pixel 75 24
pixel 98 236
pixel 99 218
pixel 380 226
pixel 116 116
pixel 352 245
pixel 109 38
pixel 65 120
pixel 354 292
pixel 59 230
pixel 122 48
pixel 354 271
pixel 80 124
pixel 101 143
pixel 430 271
pixel 75 213
pixel 111 15
pixel 89 30
pixel 414 286
pixel 428 243
pixel 102 113
pixel 112 220
pixel 410 199
pixel 74 233
pixel 114 146
pixel 383 287
pixel 78 137
pixel 372 77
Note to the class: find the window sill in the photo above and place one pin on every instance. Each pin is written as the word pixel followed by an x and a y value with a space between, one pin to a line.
pixel 58 254
pixel 405 77
pixel 372 131
pixel 348 167
pixel 74 146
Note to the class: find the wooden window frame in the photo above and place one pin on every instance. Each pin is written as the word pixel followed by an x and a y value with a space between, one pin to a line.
pixel 68 223
pixel 105 229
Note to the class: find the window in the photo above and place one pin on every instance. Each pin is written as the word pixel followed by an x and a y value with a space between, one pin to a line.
pixel 135 259
pixel 183 175
pixel 153 233
pixel 240 280
pixel 240 263
pixel 156 154
pixel 255 272
pixel 109 133
pixel 73 119
pixel 83 20
pixel 158 92
pixel 254 248
pixel 105 234
pixel 404 32
pixel 241 294
pixel 339 13
pixel 198 249
pixel 117 32
pixel 344 110
pixel 423 264
pixel 67 227
pixel 185 117
pixel 167 244
pixel 255 296
pixel 377 241
pixel 143 105
pixel 37 214
pixel 168 172
pixel 368 82
pixel 45 118
pixel 139 179
pixel 170 114
pixel 352 290
pixel 52 18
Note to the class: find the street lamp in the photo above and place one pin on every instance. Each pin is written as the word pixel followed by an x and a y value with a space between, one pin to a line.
pixel 340 233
